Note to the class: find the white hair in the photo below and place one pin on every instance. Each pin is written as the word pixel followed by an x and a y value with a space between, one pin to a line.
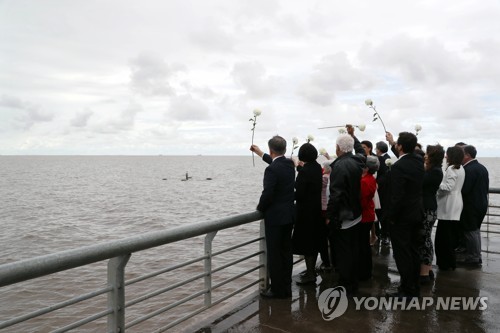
pixel 345 143
pixel 327 167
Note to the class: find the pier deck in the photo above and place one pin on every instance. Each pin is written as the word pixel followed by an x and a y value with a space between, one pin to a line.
pixel 300 313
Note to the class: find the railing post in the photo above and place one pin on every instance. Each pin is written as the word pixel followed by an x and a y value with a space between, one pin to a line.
pixel 263 276
pixel 116 298
pixel 208 267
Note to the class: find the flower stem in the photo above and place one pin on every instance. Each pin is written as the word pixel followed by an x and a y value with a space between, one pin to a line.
pixel 253 133
pixel 253 155
pixel 378 115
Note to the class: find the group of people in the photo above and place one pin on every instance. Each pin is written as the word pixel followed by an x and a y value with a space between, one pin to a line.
pixel 332 210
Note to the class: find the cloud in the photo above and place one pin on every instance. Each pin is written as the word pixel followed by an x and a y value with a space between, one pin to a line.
pixel 11 102
pixel 422 61
pixel 251 76
pixel 122 121
pixel 32 113
pixel 185 107
pixel 150 75
pixel 212 37
pixel 81 119
pixel 332 74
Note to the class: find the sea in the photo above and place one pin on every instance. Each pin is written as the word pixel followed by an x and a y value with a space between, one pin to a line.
pixel 55 203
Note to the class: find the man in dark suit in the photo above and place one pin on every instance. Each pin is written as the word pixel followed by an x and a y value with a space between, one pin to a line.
pixel 405 213
pixel 381 149
pixel 277 204
pixel 475 204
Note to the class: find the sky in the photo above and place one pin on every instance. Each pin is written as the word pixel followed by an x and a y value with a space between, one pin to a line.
pixel 183 77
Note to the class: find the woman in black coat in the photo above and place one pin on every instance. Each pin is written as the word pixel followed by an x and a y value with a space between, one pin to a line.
pixel 308 226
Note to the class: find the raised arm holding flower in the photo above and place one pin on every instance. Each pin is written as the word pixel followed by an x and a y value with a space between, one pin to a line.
pixel 376 115
pixel 256 113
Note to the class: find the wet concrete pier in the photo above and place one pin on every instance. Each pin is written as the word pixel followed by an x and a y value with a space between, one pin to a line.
pixel 301 313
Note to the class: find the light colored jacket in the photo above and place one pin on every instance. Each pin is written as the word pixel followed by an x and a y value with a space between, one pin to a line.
pixel 449 194
pixel 325 193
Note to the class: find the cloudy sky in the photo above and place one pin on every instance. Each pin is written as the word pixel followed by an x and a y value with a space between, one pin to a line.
pixel 183 77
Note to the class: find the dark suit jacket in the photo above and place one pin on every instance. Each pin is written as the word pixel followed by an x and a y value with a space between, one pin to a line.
pixel 276 200
pixel 474 195
pixel 405 188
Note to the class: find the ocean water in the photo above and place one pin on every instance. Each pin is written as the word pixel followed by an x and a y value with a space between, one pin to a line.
pixel 55 203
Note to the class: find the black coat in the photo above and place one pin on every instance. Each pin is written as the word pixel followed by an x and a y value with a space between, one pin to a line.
pixel 382 180
pixel 309 223
pixel 345 189
pixel 474 195
pixel 276 200
pixel 432 179
pixel 405 189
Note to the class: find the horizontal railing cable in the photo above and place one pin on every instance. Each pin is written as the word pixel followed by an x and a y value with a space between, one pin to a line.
pixel 164 290
pixel 237 261
pixel 194 313
pixel 166 308
pixel 164 270
pixel 220 284
pixel 54 307
pixel 236 247
pixel 84 321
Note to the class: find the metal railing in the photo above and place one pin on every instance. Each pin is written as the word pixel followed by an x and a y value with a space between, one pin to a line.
pixel 492 223
pixel 119 253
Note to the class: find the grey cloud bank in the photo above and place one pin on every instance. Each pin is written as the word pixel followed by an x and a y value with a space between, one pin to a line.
pixel 183 77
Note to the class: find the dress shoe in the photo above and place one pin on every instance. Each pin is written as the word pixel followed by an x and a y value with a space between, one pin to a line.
pixel 425 279
pixel 308 278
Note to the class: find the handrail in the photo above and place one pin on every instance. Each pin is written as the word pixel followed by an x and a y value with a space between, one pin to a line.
pixel 52 263
pixel 495 190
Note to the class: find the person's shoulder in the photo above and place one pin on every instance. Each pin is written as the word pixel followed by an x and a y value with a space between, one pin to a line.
pixel 283 162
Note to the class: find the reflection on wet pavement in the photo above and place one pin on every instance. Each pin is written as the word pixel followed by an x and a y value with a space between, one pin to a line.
pixel 301 312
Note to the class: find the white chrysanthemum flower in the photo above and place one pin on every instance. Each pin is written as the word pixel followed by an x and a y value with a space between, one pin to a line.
pixel 369 102
pixel 388 162
pixel 362 127
pixel 418 127
pixel 322 151
pixel 310 138
pixel 295 140
pixel 342 131
pixel 257 112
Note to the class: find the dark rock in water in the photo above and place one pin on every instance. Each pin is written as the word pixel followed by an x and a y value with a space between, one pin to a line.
pixel 164 179
pixel 209 178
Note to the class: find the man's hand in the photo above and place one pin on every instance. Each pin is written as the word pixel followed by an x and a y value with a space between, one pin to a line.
pixel 350 130
pixel 390 138
pixel 256 150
